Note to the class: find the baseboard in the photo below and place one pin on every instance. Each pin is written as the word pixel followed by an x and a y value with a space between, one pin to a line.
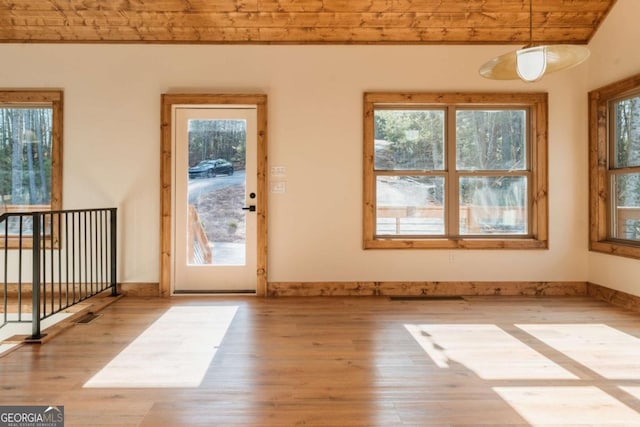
pixel 614 297
pixel 12 289
pixel 128 288
pixel 51 289
pixel 511 288
pixel 140 289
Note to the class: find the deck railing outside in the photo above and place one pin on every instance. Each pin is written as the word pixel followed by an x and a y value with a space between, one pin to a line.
pixel 419 220
pixel 628 222
pixel 199 247
pixel 399 220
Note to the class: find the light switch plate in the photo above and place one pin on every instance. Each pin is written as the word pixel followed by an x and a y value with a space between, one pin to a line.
pixel 279 187
pixel 278 171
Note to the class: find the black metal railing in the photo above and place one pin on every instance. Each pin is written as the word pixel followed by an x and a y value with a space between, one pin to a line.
pixel 56 258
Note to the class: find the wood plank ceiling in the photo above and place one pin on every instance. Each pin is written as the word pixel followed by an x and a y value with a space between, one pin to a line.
pixel 300 21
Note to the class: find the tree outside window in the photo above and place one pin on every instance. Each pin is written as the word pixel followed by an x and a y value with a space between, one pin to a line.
pixel 30 153
pixel 25 155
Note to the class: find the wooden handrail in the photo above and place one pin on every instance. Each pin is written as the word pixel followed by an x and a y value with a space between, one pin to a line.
pixel 199 251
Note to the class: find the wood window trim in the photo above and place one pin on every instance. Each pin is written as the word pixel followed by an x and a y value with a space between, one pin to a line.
pixel 41 97
pixel 537 103
pixel 599 189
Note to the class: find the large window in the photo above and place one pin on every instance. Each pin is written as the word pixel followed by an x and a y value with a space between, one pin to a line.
pixel 30 154
pixel 615 168
pixel 455 170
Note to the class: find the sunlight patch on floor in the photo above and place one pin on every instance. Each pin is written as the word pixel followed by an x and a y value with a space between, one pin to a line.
pixel 601 348
pixel 485 349
pixel 561 406
pixel 175 351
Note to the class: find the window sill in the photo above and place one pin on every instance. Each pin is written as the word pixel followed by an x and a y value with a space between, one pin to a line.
pixel 475 243
pixel 610 247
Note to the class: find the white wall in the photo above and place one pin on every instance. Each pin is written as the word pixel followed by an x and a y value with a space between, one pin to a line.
pixel 111 152
pixel 615 56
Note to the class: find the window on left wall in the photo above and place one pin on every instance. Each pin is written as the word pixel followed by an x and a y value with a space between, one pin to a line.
pixel 30 150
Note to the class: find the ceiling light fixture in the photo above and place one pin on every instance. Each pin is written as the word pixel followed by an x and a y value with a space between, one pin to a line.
pixel 532 62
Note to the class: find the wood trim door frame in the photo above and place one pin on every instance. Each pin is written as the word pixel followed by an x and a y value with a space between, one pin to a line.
pixel 168 101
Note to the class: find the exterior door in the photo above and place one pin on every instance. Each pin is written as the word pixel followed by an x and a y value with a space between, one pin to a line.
pixel 215 177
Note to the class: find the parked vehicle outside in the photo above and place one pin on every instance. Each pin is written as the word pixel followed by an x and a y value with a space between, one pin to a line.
pixel 211 168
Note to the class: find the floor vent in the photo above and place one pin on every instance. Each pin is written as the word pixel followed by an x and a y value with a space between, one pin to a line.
pixel 427 298
pixel 88 318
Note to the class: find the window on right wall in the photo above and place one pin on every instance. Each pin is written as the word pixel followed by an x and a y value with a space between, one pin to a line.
pixel 614 168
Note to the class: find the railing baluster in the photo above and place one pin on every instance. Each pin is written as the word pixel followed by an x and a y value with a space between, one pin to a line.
pixel 100 259
pixel 58 244
pixel 73 255
pixel 43 261
pixel 84 226
pixel 113 251
pixel 66 253
pixel 51 254
pixel 91 249
pixel 6 266
pixel 35 314
pixel 20 219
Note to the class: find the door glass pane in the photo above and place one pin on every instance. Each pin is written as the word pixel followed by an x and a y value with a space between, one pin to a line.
pixel 493 205
pixel 491 140
pixel 216 192
pixel 627 133
pixel 410 205
pixel 409 139
pixel 626 211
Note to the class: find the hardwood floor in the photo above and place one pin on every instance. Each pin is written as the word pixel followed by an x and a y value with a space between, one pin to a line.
pixel 355 362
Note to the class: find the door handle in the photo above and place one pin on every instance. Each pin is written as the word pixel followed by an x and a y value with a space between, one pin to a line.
pixel 250 208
